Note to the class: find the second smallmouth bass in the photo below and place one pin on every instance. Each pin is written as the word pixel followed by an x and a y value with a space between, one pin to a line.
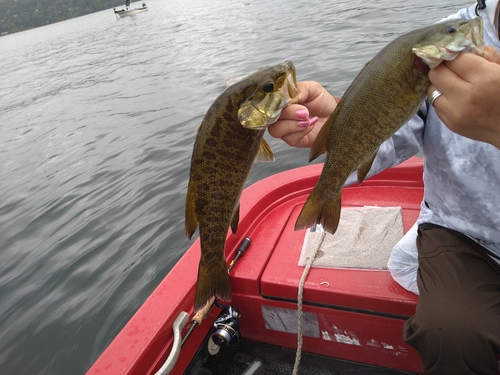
pixel 385 95
pixel 229 138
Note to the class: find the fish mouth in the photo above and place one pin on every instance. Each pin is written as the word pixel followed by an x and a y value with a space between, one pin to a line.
pixel 290 95
pixel 257 113
pixel 290 89
pixel 468 38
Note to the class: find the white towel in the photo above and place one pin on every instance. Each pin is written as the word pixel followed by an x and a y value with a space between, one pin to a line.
pixel 364 239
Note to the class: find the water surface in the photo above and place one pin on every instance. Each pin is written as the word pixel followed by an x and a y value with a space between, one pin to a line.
pixel 98 117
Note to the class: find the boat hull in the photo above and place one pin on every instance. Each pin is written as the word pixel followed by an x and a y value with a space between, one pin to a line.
pixel 350 314
pixel 131 12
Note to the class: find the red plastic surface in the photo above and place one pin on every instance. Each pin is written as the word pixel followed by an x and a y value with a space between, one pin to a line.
pixel 372 290
pixel 268 210
pixel 352 336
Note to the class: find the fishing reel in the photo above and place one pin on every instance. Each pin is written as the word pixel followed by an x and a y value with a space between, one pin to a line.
pixel 226 326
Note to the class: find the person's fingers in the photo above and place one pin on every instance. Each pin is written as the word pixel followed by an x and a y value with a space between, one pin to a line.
pixel 491 54
pixel 468 66
pixel 444 78
pixel 434 94
pixel 441 104
pixel 294 112
pixel 285 127
pixel 301 138
pixel 296 125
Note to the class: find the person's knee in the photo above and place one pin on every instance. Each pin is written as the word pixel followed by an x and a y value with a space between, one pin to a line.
pixel 452 340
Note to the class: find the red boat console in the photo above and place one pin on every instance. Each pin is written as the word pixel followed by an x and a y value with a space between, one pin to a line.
pixel 355 314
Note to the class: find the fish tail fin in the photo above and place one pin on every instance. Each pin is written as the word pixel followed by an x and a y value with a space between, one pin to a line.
pixel 212 281
pixel 320 211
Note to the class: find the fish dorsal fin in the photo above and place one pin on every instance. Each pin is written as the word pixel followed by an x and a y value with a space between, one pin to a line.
pixel 190 218
pixel 235 219
pixel 364 66
pixel 319 145
pixel 265 153
pixel 235 80
pixel 364 167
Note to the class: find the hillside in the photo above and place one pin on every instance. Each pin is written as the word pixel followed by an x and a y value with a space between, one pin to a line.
pixel 18 15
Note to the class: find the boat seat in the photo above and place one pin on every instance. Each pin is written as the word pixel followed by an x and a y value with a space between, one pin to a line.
pixel 356 289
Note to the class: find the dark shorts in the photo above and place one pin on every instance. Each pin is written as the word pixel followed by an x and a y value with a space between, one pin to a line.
pixel 456 328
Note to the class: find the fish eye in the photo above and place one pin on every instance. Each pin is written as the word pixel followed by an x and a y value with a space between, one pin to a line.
pixel 268 87
pixel 451 29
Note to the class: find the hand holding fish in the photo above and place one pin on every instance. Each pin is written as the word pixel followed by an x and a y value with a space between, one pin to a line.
pixel 469 105
pixel 299 123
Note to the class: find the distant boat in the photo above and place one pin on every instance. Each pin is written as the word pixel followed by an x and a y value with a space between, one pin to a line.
pixel 129 12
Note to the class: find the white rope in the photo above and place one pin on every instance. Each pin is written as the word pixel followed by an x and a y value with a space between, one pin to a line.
pixel 309 262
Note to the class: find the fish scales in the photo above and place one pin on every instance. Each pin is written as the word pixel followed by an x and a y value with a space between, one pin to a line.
pixel 221 177
pixel 228 140
pixel 368 107
pixel 387 93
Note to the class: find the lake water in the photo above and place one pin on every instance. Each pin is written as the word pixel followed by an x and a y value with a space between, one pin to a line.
pixel 98 116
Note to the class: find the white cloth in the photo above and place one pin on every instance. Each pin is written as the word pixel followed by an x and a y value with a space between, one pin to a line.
pixel 364 239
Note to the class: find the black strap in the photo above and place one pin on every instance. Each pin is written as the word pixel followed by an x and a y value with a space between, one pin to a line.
pixel 481 5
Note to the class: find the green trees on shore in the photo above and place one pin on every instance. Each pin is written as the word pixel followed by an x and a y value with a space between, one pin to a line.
pixel 18 15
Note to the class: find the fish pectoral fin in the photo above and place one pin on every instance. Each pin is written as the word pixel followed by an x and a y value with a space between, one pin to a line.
pixel 233 81
pixel 363 68
pixel 235 219
pixel 320 144
pixel 364 167
pixel 265 153
pixel 190 217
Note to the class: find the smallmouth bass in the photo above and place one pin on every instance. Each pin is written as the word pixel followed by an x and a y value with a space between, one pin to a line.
pixel 385 95
pixel 229 139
